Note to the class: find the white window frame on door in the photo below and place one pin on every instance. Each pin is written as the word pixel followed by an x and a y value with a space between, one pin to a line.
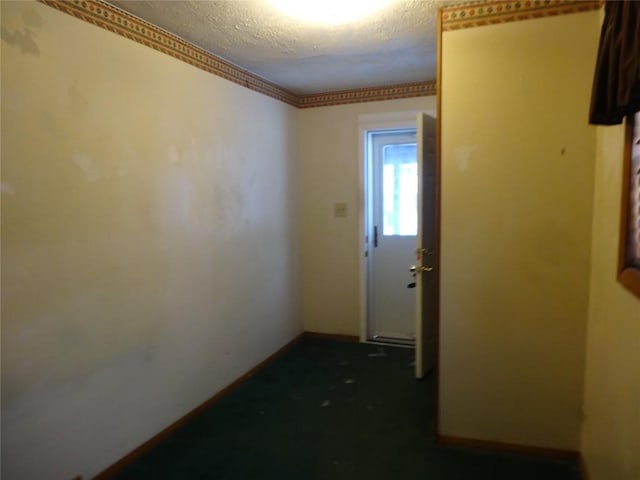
pixel 366 123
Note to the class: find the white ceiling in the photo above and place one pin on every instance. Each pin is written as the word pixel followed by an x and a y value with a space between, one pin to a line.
pixel 394 45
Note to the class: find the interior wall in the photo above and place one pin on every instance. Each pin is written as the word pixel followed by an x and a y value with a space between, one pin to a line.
pixel 517 192
pixel 330 172
pixel 149 240
pixel 611 431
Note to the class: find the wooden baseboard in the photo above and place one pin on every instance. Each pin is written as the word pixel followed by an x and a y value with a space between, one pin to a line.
pixel 582 465
pixel 555 453
pixel 332 336
pixel 156 439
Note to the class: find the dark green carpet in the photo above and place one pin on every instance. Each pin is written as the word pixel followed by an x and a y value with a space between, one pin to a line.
pixel 330 410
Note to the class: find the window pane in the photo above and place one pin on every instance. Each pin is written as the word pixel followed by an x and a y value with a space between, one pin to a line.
pixel 400 189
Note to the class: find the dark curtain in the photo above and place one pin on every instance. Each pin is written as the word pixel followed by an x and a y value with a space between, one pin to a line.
pixel 616 85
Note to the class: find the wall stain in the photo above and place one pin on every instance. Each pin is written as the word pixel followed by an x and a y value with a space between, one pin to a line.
pixel 87 166
pixel 7 189
pixel 31 18
pixel 49 123
pixel 463 155
pixel 78 101
pixel 24 37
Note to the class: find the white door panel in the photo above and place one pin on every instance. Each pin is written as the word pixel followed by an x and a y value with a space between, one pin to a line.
pixel 393 228
pixel 426 267
pixel 394 303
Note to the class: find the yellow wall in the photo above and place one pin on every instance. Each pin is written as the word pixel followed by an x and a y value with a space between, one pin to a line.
pixel 149 240
pixel 517 183
pixel 611 433
pixel 329 173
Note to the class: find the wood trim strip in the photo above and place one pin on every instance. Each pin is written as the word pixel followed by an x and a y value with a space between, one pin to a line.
pixel 438 187
pixel 630 279
pixel 112 470
pixel 373 94
pixel 331 336
pixel 555 453
pixel 473 14
pixel 109 472
pixel 584 470
pixel 628 276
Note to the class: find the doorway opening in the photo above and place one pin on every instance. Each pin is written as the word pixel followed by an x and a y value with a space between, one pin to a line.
pixel 391 223
pixel 400 271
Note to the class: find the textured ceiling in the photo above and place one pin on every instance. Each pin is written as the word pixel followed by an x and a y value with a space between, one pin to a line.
pixel 394 45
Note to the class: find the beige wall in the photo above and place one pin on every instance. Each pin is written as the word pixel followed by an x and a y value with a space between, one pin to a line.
pixel 611 432
pixel 149 240
pixel 330 172
pixel 517 188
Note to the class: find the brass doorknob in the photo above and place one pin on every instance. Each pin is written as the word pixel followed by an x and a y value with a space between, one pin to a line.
pixel 421 269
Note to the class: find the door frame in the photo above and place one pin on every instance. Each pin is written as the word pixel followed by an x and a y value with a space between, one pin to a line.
pixel 376 137
pixel 367 122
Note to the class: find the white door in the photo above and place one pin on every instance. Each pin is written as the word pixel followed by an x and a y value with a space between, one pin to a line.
pixel 392 234
pixel 426 255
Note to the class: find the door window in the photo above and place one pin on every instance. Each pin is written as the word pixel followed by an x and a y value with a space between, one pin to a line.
pixel 400 189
